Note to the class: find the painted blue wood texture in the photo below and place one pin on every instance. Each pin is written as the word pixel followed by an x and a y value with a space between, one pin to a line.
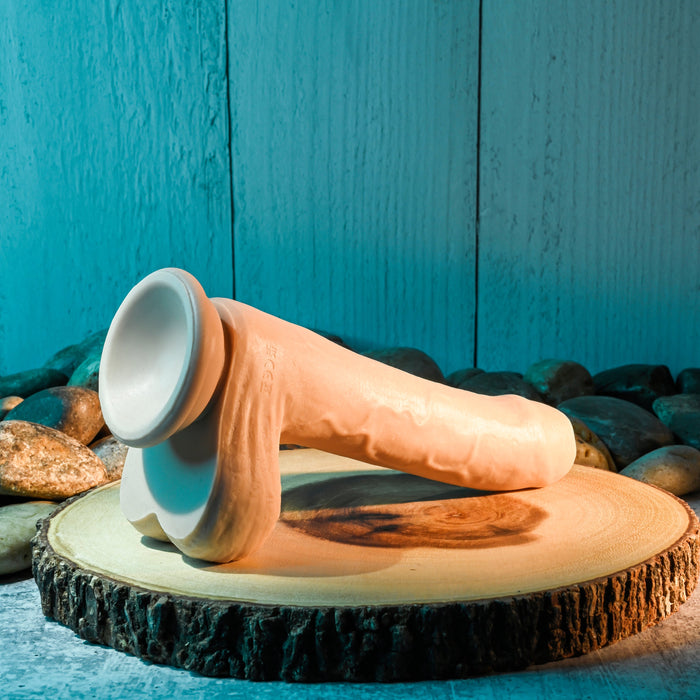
pixel 356 132
pixel 590 183
pixel 113 161
pixel 354 151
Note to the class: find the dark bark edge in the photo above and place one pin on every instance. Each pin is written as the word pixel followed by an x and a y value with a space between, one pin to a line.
pixel 364 643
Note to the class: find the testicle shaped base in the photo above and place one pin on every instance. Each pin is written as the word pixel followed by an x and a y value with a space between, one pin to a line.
pixel 213 489
pixel 165 488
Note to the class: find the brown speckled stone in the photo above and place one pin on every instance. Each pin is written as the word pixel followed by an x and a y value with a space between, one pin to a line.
pixel 675 468
pixel 73 410
pixel 41 462
pixel 627 430
pixel 590 449
pixel 112 453
pixel 8 403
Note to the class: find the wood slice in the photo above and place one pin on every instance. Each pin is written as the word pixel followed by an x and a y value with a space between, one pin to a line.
pixel 372 574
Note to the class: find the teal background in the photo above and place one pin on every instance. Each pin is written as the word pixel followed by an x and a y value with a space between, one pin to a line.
pixel 489 180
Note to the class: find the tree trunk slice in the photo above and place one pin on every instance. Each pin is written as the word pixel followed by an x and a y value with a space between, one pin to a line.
pixel 375 575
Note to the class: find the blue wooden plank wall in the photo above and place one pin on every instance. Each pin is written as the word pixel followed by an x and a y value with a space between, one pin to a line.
pixel 113 161
pixel 589 244
pixel 505 179
pixel 354 151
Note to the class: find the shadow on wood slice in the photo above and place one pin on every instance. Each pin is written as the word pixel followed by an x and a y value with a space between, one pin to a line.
pixel 373 575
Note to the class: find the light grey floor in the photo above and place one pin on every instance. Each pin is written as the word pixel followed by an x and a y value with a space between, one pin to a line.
pixel 40 658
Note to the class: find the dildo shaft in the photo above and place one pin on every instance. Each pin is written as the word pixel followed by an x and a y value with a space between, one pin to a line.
pixel 281 383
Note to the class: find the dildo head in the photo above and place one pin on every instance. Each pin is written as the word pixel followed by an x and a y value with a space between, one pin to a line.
pixel 162 359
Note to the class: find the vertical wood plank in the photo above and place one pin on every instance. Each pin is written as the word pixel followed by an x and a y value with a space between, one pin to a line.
pixel 590 194
pixel 354 148
pixel 113 161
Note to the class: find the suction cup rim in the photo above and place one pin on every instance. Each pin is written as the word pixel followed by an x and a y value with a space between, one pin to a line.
pixel 162 358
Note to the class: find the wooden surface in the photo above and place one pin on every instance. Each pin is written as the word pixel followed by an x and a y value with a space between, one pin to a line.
pixel 362 137
pixel 113 162
pixel 504 580
pixel 354 179
pixel 589 235
pixel 42 658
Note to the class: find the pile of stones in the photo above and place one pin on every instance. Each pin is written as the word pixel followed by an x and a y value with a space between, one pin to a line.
pixel 53 444
pixel 634 419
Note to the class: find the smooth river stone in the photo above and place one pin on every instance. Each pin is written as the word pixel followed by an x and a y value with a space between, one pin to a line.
pixel 640 384
pixel 681 413
pixel 688 381
pixel 559 380
pixel 668 407
pixel 686 427
pixel 410 360
pixel 332 337
pixel 590 449
pixel 627 430
pixel 113 454
pixel 17 528
pixel 7 403
pixel 73 410
pixel 40 462
pixel 87 373
pixel 67 359
pixel 462 375
pixel 499 383
pixel 30 381
pixel 675 468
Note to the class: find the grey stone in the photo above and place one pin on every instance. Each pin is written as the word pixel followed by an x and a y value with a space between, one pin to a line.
pixel 667 407
pixel 640 384
pixel 675 468
pixel 40 462
pixel 499 383
pixel 627 430
pixel 559 380
pixel 30 381
pixel 681 413
pixel 67 359
pixel 410 360
pixel 73 410
pixel 686 427
pixel 87 373
pixel 7 403
pixel 461 375
pixel 17 528
pixel 332 337
pixel 688 381
pixel 112 452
